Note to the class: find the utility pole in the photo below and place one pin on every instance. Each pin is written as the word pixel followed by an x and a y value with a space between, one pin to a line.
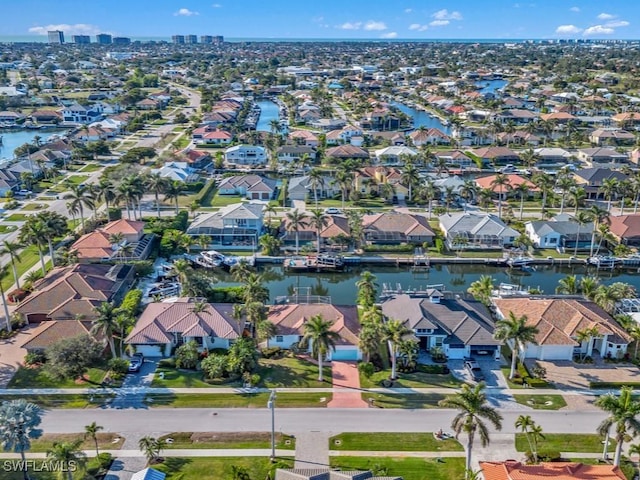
pixel 272 406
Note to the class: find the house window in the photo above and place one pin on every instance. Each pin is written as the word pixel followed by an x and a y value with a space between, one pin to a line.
pixel 279 339
pixel 198 340
pixel 438 341
pixel 553 240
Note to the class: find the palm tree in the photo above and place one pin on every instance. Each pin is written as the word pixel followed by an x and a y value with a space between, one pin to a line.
pixel 55 226
pixel 429 192
pixel 344 180
pixel 319 221
pixel 598 216
pixel 582 218
pixel 12 249
pixel 318 331
pixel 295 221
pixel 468 191
pixel 565 184
pixel 393 333
pixel 67 454
pixel 19 422
pixel 80 197
pixel 568 285
pixel 532 431
pixel 545 183
pixel 589 286
pixel 482 289
pixel 371 331
pixel 316 181
pixel 635 450
pixel 104 191
pixel 623 411
pixel 577 197
pixel 530 157
pixel 172 192
pixel 33 232
pixel 7 315
pixel 609 190
pixel 473 409
pixel 501 181
pixel 92 430
pixel 515 331
pixel 151 447
pixel 410 178
pixel 522 190
pixel 105 324
pixel 157 184
pixel 585 335
pixel 367 288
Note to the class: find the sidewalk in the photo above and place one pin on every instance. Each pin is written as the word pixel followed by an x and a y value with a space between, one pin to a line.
pixel 193 452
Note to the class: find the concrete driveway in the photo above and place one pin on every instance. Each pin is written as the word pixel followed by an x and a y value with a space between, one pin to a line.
pixel 490 368
pixel 12 354
pixel 137 383
pixel 569 375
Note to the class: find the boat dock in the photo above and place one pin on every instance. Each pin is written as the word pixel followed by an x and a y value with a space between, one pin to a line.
pixel 314 263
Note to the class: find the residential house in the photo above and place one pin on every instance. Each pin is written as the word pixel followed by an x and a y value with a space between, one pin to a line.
pixel 177 172
pixel 455 159
pixel 52 332
pixel 394 155
pixel 591 180
pixel 558 321
pixel 626 119
pixel 209 136
pixel 558 117
pixel 196 159
pixel 380 119
pixel 392 228
pixel 305 137
pixel 602 156
pixel 299 188
pixel 166 325
pixel 253 187
pixel 235 226
pixel 77 114
pixel 460 327
pixel 337 226
pixel 552 157
pixel 11 118
pixel 69 292
pixel 46 117
pixel 514 470
pixel 518 138
pixel 245 155
pixel 149 104
pixel 343 152
pixel 98 246
pixel 514 180
pixel 561 233
pixel 496 155
pixel 516 116
pixel 611 137
pixel 372 179
pixel 290 319
pixel 626 228
pixel 429 136
pixel 294 153
pixel 467 230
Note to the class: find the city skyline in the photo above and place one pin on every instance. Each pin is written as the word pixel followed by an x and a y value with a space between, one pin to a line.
pixel 409 19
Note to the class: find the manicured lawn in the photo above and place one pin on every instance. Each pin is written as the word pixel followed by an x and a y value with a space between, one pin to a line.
pixel 291 372
pixel 409 401
pixel 106 441
pixel 7 228
pixel 237 400
pixel 181 379
pixel 228 440
pixel 364 203
pixel 566 442
pixel 418 379
pixel 37 378
pixel 224 200
pixel 407 468
pixel 17 217
pixel 541 402
pixel 91 167
pixel 34 206
pixel 76 179
pixel 178 468
pixel 386 441
pixel 28 258
pixel 62 400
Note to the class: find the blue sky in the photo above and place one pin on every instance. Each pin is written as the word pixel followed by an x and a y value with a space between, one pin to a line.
pixel 327 19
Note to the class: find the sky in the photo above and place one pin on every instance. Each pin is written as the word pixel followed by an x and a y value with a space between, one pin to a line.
pixel 346 19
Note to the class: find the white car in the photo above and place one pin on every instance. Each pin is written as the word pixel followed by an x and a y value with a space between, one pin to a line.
pixel 332 211
pixel 24 193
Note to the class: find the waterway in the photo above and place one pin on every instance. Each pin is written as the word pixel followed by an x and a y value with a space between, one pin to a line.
pixel 422 118
pixel 491 86
pixel 268 111
pixel 12 139
pixel 341 287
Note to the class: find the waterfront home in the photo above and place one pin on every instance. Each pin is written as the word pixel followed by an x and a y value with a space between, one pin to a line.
pixel 395 155
pixel 177 172
pixel 11 118
pixel 289 321
pixel 66 293
pixel 602 157
pixel 514 180
pixel 626 119
pixel 496 155
pixel 610 136
pixel 518 138
pixel 561 233
pixel 558 321
pixel 343 152
pixel 552 157
pixel 461 328
pixel 253 187
pixel 516 116
pixel 245 155
pixel 466 230
pixel 294 153
pixel 514 470
pixel 372 179
pixel 626 228
pixel 197 159
pixel 98 246
pixel 393 228
pixel 558 117
pixel 337 226
pixel 165 325
pixel 455 159
pixel 429 136
pixel 304 137
pixel 208 135
pixel 235 226
pixel 78 115
pixel 591 179
pixel 299 188
pixel 46 117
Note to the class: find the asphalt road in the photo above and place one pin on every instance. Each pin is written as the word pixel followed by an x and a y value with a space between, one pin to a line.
pixel 160 420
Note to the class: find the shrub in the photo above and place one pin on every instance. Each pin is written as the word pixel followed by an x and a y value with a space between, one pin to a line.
pixel 434 369
pixel 35 358
pixel 403 248
pixel 548 455
pixel 167 363
pixel 215 366
pixel 273 352
pixel 187 355
pixel 226 295
pixel 17 295
pixel 367 369
pixel 131 302
pixel 142 268
pixel 114 213
pixel 206 190
pixel 119 366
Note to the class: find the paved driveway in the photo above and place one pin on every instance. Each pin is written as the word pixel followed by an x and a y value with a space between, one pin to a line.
pixel 490 367
pixel 12 354
pixel 138 382
pixel 569 375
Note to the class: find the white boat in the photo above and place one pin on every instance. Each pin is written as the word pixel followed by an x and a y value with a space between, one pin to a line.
pixel 519 261
pixel 604 261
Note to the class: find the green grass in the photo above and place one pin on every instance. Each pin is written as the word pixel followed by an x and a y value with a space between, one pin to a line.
pixel 182 142
pixel 62 400
pixel 566 442
pixel 178 468
pixel 224 200
pixel 237 400
pixel 7 228
pixel 386 441
pixel 38 378
pixel 407 468
pixel 33 206
pixel 28 258
pixel 417 379
pixel 76 179
pixel 180 379
pixel 407 401
pixel 291 372
pixel 105 441
pixel 91 167
pixel 17 217
pixel 521 373
pixel 239 440
pixel 539 402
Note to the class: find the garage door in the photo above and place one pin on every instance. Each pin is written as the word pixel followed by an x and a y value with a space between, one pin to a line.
pixel 350 354
pixel 150 350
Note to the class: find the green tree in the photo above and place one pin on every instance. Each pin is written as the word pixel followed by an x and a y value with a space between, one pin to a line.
pixel 13 250
pixel 568 285
pixel 319 335
pixel 367 289
pixel 187 355
pixel 157 184
pixel 72 357
pixel 172 191
pixel 318 220
pixel 316 182
pixel 585 335
pixel 105 324
pixel 67 454
pixel 80 196
pixel 623 411
pixel 393 333
pixel 517 334
pixel 482 289
pixel 295 221
pixel 502 182
pixel 19 422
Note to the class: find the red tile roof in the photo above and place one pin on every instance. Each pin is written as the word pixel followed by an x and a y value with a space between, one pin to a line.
pixel 512 470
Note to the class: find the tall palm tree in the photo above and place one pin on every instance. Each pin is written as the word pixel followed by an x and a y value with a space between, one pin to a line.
pixel 568 285
pixel 316 182
pixel 577 197
pixel 522 190
pixel 598 216
pixel 295 221
pixel 609 190
pixel 5 307
pixel 19 422
pixel 67 454
pixel 318 221
pixel 55 226
pixel 367 288
pixel 393 333
pixel 468 191
pixel 589 286
pixel 104 190
pixel 12 249
pixel 344 179
pixel 91 431
pixel 527 426
pixel 473 409
pixel 172 192
pixel 501 181
pixel 429 192
pixel 105 324
pixel 410 178
pixel 582 218
pixel 515 331
pixel 371 331
pixel 33 232
pixel 156 183
pixel 80 197
pixel 565 184
pixel 545 183
pixel 317 332
pixel 623 413
pixel 482 289
pixel 585 335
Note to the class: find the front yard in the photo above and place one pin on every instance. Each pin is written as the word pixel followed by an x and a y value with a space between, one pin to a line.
pixel 36 377
pixel 106 441
pixel 407 400
pixel 418 379
pixel 64 400
pixel 541 402
pixel 567 442
pixel 238 400
pixel 386 441
pixel 178 468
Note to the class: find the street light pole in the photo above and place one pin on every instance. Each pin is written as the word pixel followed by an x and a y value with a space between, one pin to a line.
pixel 272 406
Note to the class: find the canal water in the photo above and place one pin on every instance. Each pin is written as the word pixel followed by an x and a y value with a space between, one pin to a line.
pixel 268 111
pixel 12 139
pixel 341 287
pixel 490 86
pixel 421 118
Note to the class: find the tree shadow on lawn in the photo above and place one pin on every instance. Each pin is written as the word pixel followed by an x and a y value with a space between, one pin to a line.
pixel 278 376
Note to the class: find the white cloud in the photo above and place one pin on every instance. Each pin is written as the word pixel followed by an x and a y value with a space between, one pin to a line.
pixel 575 9
pixel 418 27
pixel 445 14
pixel 439 23
pixel 350 26
pixel 408 10
pixel 617 23
pixel 567 30
pixel 75 29
pixel 606 16
pixel 372 25
pixel 389 35
pixel 216 5
pixel 598 30
pixel 185 12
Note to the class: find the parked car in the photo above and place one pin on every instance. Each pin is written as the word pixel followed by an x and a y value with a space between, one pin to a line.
pixel 135 364
pixel 332 211
pixel 24 193
pixel 474 370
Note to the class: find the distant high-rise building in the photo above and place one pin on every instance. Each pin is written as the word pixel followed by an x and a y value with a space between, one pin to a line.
pixel 218 40
pixel 104 39
pixel 206 39
pixel 81 39
pixel 121 40
pixel 177 39
pixel 56 36
pixel 191 38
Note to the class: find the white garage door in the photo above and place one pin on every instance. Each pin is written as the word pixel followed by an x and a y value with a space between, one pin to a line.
pixel 150 350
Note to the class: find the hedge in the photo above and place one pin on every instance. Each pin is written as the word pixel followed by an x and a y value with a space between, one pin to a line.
pixel 206 190
pixel 131 302
pixel 404 248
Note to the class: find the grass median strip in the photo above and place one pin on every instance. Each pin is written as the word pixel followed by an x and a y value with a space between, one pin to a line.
pixel 411 401
pixel 63 400
pixel 566 442
pixel 541 402
pixel 407 468
pixel 106 441
pixel 239 440
pixel 237 400
pixel 386 441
